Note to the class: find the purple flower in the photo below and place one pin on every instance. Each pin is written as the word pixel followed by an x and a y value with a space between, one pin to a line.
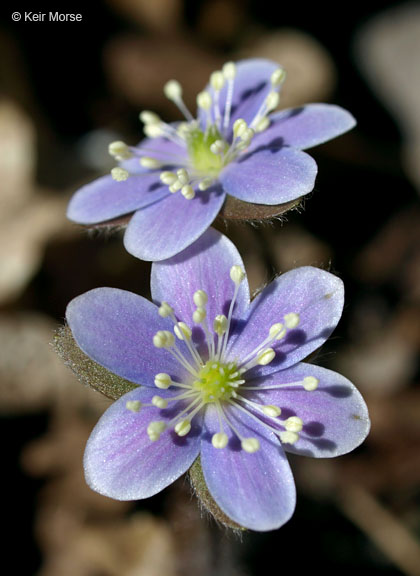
pixel 177 179
pixel 220 376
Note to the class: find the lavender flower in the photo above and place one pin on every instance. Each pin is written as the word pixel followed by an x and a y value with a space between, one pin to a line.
pixel 221 376
pixel 177 179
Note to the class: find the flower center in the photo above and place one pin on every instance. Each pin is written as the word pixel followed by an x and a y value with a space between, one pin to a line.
pixel 217 381
pixel 200 145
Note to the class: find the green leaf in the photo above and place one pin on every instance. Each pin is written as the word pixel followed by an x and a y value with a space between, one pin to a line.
pixel 87 371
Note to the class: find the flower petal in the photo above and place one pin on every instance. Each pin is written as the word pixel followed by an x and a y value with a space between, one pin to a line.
pixel 116 328
pixel 306 126
pixel 251 86
pixel 120 460
pixel 104 198
pixel 203 266
pixel 317 296
pixel 161 230
pixel 270 175
pixel 335 416
pixel 256 490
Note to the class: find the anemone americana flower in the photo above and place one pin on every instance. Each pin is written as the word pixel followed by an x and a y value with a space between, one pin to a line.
pixel 221 376
pixel 176 180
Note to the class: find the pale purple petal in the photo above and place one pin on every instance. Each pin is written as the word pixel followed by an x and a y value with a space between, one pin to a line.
pixel 120 460
pixel 116 328
pixel 317 296
pixel 270 175
pixel 335 415
pixel 203 266
pixel 104 198
pixel 161 230
pixel 252 84
pixel 256 490
pixel 305 127
pixel 166 151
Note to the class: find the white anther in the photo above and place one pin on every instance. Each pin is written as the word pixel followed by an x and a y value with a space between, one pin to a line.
pixel 175 186
pixel 204 100
pixel 188 192
pixel 155 429
pixel 200 298
pixel 148 117
pixel 293 424
pixel 218 147
pixel 272 101
pixel 183 129
pixel 271 410
pixel 168 178
pixel 199 315
pixel 239 127
pixel 277 77
pixel 182 331
pixel 163 339
pixel 276 329
pixel 237 274
pixel 153 130
pixel 265 357
pixel 183 427
pixel 250 445
pixel 183 176
pixel 159 402
pixel 133 405
pixel 262 124
pixel 165 310
pixel 247 135
pixel 119 174
pixel 173 90
pixel 220 324
pixel 229 70
pixel 289 437
pixel 310 383
pixel 217 80
pixel 119 150
pixel 205 184
pixel 291 320
pixel 163 381
pixel 148 162
pixel 219 440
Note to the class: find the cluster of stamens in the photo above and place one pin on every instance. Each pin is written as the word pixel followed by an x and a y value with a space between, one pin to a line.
pixel 214 379
pixel 207 150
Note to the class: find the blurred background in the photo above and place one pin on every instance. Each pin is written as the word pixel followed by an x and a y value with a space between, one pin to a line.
pixel 66 91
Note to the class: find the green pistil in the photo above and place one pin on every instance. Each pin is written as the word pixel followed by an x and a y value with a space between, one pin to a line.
pixel 216 381
pixel 202 157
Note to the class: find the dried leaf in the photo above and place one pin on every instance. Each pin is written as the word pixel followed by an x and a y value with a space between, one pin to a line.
pixel 87 371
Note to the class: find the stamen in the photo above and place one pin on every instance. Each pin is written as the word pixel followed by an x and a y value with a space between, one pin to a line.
pixel 173 91
pixel 219 440
pixel 217 81
pixel 165 310
pixel 183 176
pixel 200 298
pixel 188 192
pixel 119 150
pixel 237 275
pixel 199 315
pixel 183 427
pixel 250 445
pixel 182 331
pixel 163 339
pixel 262 124
pixel 278 77
pixel 163 380
pixel 265 357
pixel 229 72
pixel 205 184
pixel 289 437
pixel 239 127
pixel 218 147
pixel 293 424
pixel 220 324
pixel 148 117
pixel 155 429
pixel 159 402
pixel 119 174
pixel 291 320
pixel 148 162
pixel 168 178
pixel 133 405
pixel 271 410
pixel 204 102
pixel 272 101
pixel 310 383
